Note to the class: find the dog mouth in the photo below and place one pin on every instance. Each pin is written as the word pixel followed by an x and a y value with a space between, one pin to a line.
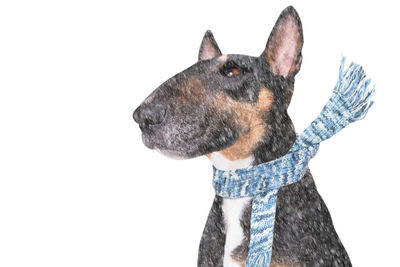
pixel 164 147
pixel 148 141
pixel 151 138
pixel 174 141
pixel 172 154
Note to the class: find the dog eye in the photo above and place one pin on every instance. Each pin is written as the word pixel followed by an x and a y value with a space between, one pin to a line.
pixel 230 72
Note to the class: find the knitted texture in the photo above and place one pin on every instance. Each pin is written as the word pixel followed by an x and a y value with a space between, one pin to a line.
pixel 350 101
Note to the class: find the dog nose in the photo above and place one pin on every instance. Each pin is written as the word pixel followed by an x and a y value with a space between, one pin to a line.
pixel 149 114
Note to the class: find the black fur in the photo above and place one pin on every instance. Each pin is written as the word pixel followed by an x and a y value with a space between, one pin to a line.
pixel 304 232
pixel 213 238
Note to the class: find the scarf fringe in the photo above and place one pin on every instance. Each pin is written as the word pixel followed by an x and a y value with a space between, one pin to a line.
pixel 353 87
pixel 259 259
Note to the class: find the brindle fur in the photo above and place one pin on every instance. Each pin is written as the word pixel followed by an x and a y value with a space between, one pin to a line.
pixel 181 118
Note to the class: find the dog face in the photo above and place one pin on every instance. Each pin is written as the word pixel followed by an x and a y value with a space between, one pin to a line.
pixel 227 103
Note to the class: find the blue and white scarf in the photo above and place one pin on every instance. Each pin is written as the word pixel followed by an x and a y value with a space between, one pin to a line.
pixel 350 102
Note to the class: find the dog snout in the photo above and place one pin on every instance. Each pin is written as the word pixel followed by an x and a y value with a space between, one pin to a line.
pixel 147 114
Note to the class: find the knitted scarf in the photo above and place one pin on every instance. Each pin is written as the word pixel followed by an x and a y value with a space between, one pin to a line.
pixel 349 102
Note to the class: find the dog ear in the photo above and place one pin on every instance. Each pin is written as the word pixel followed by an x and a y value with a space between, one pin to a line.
pixel 283 50
pixel 209 48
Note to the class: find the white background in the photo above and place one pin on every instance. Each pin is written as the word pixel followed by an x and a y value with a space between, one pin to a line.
pixel 78 187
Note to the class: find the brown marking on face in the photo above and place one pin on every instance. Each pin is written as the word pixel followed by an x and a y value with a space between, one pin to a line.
pixel 265 99
pixel 192 93
pixel 249 118
pixel 192 89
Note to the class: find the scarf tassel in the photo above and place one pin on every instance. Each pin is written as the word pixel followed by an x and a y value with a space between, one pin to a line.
pixel 354 90
pixel 350 102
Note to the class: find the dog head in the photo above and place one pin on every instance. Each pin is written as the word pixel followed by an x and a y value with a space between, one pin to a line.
pixel 233 104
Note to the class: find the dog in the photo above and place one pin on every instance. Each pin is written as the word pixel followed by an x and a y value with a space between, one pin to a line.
pixel 233 109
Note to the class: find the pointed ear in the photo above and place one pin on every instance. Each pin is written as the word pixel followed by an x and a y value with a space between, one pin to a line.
pixel 209 48
pixel 283 51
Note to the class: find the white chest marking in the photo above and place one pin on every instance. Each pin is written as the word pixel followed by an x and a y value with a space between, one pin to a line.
pixel 232 208
pixel 222 163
